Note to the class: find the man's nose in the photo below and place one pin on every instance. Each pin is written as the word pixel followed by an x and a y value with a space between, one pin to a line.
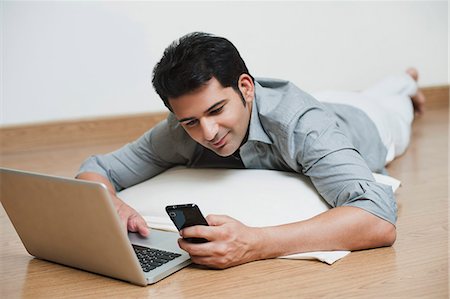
pixel 209 128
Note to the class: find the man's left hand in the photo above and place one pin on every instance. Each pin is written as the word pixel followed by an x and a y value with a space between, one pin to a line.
pixel 230 243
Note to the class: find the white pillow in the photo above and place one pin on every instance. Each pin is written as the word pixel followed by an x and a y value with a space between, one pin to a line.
pixel 253 196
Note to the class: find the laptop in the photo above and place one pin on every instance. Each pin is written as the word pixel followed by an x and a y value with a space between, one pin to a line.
pixel 74 223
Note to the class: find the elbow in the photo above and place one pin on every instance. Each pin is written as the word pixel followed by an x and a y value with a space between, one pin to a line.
pixel 386 233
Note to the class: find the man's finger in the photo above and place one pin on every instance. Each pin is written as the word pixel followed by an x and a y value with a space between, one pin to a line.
pixel 209 233
pixel 211 262
pixel 196 249
pixel 138 224
pixel 143 229
pixel 216 220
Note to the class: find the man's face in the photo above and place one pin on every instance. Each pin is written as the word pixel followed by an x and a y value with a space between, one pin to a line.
pixel 215 116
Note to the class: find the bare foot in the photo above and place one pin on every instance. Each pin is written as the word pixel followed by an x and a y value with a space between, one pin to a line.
pixel 413 73
pixel 419 98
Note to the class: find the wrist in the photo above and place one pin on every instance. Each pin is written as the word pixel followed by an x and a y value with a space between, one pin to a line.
pixel 261 243
pixel 116 201
pixel 270 243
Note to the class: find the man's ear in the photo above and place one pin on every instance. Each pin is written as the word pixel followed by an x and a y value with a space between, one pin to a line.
pixel 247 87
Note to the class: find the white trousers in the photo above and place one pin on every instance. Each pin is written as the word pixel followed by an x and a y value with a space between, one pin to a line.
pixel 388 103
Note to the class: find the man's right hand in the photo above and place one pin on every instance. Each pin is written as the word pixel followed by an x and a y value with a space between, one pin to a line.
pixel 131 219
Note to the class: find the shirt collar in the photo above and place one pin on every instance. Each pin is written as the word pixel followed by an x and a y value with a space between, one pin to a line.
pixel 256 130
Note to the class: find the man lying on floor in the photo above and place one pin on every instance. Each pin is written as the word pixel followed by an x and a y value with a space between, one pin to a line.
pixel 222 117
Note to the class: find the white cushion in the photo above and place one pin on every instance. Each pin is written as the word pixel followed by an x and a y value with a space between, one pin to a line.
pixel 254 197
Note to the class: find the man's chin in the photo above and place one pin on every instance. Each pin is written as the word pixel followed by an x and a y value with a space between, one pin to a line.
pixel 225 151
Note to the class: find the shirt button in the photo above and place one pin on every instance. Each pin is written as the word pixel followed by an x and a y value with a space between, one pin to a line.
pixel 260 148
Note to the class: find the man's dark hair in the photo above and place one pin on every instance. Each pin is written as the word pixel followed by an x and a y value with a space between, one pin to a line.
pixel 191 61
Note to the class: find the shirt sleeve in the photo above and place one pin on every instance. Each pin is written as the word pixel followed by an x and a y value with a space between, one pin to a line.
pixel 337 170
pixel 162 147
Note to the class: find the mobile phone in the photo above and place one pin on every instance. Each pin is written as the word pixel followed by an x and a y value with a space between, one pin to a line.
pixel 186 215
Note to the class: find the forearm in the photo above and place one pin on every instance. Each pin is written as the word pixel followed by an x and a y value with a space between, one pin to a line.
pixel 130 218
pixel 341 228
pixel 92 176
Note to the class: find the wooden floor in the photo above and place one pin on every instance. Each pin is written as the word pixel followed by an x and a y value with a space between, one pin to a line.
pixel 416 266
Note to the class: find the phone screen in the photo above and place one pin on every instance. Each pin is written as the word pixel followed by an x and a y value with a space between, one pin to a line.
pixel 186 215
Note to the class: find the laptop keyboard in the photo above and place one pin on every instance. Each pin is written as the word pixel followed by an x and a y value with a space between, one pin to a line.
pixel 151 258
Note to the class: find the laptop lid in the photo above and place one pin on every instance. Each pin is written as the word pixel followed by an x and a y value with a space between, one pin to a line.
pixel 74 223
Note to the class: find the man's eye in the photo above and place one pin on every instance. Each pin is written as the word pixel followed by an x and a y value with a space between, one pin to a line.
pixel 190 123
pixel 217 111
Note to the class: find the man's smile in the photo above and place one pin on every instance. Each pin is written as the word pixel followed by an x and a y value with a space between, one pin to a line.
pixel 218 143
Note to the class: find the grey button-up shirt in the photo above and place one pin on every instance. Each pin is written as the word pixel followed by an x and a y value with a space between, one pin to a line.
pixel 336 145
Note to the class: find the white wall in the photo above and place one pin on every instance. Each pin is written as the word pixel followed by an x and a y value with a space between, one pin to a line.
pixel 69 60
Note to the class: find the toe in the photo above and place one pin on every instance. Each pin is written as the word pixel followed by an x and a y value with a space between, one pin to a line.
pixel 413 73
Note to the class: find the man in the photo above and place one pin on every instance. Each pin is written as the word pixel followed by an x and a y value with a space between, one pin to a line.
pixel 221 117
